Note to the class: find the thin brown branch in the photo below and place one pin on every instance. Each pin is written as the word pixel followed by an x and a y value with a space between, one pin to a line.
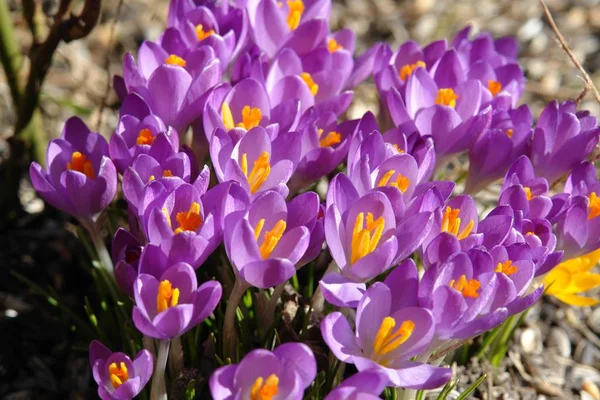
pixel 563 43
pixel 444 352
pixel 111 37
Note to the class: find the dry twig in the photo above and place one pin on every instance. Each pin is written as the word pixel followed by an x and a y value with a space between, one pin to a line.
pixel 563 43
pixel 111 39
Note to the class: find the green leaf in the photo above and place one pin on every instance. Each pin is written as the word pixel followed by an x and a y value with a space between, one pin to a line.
pixel 420 395
pixel 471 389
pixel 190 390
pixel 447 389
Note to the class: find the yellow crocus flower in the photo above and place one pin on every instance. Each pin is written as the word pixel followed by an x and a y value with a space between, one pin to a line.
pixel 572 277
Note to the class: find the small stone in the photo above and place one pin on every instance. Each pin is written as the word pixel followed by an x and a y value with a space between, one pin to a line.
pixel 559 340
pixel 594 320
pixel 531 341
pixel 592 389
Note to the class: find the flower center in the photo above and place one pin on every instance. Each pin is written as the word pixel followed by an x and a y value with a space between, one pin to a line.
pixel 451 223
pixel 528 193
pixel 494 87
pixel 265 389
pixel 593 207
pixel 408 69
pixel 506 267
pixel 509 133
pixel 296 8
pixel 166 296
pixel 272 237
pixel 330 139
pixel 118 374
pixel 312 86
pixel 144 137
pixel 175 60
pixel 201 34
pixel 80 163
pixel 189 220
pixel 398 149
pixel 365 239
pixel 251 117
pixel 333 45
pixel 446 97
pixel 401 182
pixel 166 173
pixel 467 288
pixel 260 171
pixel 388 340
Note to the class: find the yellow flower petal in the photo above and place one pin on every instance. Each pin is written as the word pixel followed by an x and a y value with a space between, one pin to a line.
pixel 583 282
pixel 575 300
pixel 557 280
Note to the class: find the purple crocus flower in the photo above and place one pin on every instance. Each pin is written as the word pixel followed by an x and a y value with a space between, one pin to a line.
pixel 403 62
pixel 297 24
pixel 325 144
pixel 524 191
pixel 117 376
pixel 222 28
pixel 254 161
pixel 495 64
pixel 446 106
pixel 245 106
pixel 169 306
pixel 136 132
pixel 175 92
pixel 563 137
pixel 126 251
pixel 578 229
pixel 365 385
pixel 390 330
pixel 469 295
pixel 265 244
pixel 362 234
pixel 189 217
pixel 80 179
pixel 497 148
pixel 283 373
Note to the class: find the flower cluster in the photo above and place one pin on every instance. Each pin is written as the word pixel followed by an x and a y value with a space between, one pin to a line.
pixel 258 92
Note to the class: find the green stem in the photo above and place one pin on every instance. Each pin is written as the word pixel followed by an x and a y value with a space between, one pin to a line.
pixel 10 54
pixel 159 385
pixel 229 332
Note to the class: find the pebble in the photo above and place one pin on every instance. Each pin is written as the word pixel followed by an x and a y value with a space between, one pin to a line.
pixel 594 320
pixel 559 340
pixel 592 389
pixel 531 341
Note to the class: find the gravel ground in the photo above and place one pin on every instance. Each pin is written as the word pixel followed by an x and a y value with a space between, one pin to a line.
pixel 556 354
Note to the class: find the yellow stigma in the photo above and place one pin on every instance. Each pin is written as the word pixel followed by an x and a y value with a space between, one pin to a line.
pixel 265 389
pixel 365 239
pixel 167 173
pixel 189 220
pixel 80 163
pixel 467 288
pixel 166 296
pixel 151 178
pixel 175 60
pixel 333 45
pixel 401 182
pixel 250 118
pixel 451 223
pixel 398 149
pixel 272 237
pixel 509 133
pixel 528 193
pixel 330 139
pixel 494 87
pixel 201 34
pixel 593 207
pixel 312 86
pixel 408 69
pixel 387 340
pixel 446 97
pixel 118 374
pixel 296 8
pixel 507 268
pixel 144 137
pixel 260 170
